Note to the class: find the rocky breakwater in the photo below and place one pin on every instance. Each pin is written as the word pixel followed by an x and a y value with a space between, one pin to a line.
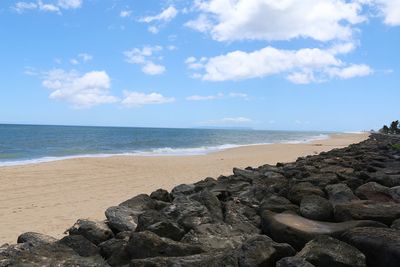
pixel 339 208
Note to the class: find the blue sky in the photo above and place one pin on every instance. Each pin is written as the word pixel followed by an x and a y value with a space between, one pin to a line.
pixel 265 64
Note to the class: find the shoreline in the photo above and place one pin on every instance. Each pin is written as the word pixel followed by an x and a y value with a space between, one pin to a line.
pixel 49 197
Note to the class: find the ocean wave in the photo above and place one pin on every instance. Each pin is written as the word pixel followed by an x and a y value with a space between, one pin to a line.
pixel 165 151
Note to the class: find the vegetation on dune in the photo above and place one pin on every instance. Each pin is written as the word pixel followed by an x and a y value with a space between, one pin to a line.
pixel 393 129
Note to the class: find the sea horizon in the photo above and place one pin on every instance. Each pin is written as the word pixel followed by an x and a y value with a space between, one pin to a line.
pixel 22 144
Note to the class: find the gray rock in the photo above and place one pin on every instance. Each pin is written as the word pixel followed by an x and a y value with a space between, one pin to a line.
pixel 297 231
pixel 95 232
pixel 293 262
pixel 325 251
pixel 340 193
pixel 140 203
pixel 161 195
pixel 80 245
pixel 35 239
pixel 300 190
pixel 121 218
pixel 381 246
pixel 396 224
pixel 395 193
pixel 374 191
pixel 183 190
pixel 278 204
pixel 316 208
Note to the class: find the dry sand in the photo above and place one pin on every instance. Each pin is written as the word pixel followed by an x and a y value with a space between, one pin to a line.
pixel 50 197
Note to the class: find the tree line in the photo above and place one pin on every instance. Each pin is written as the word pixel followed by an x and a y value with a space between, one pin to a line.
pixel 393 129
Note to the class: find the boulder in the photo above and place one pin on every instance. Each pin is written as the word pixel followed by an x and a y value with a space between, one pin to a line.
pixel 340 193
pixel 395 193
pixel 325 251
pixel 95 232
pixel 316 208
pixel 147 244
pixel 140 203
pixel 385 212
pixel 374 191
pixel 35 239
pixel 80 245
pixel 293 262
pixel 396 224
pixel 161 195
pixel 121 218
pixel 241 217
pixel 261 250
pixel 381 246
pixel 297 231
pixel 182 190
pixel 211 202
pixel 278 204
pixel 251 175
pixel 300 190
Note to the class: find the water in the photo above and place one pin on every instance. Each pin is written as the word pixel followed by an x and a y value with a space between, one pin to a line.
pixel 23 144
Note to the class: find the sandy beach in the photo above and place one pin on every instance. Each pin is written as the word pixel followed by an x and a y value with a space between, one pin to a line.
pixel 50 197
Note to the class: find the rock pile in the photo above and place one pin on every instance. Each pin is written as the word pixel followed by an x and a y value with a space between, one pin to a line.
pixel 339 208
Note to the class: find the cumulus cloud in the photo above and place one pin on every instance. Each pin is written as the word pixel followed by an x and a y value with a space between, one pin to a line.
pixel 299 66
pixel 138 99
pixel 54 6
pixel 144 57
pixel 161 19
pixel 321 20
pixel 390 10
pixel 217 96
pixel 81 91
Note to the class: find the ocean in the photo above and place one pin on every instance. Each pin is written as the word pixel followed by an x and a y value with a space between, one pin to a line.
pixel 26 144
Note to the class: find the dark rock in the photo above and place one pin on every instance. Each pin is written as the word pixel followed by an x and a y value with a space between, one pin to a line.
pixel 161 195
pixel 121 218
pixel 297 231
pixel 300 190
pixel 95 232
pixel 385 179
pixel 261 250
pixel 211 202
pixel 316 208
pixel 293 262
pixel 80 245
pixel 381 246
pixel 395 193
pixel 396 224
pixel 325 251
pixel 35 239
pixel 112 246
pixel 147 244
pixel 278 204
pixel 246 173
pixel 241 217
pixel 385 212
pixel 340 193
pixel 140 203
pixel 183 190
pixel 374 191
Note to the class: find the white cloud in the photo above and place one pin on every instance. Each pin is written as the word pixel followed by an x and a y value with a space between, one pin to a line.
pixel 70 4
pixel 22 6
pixel 85 57
pixel 153 29
pixel 217 96
pixel 55 7
pixel 166 15
pixel 138 99
pixel 144 57
pixel 125 13
pixel 322 20
pixel 81 91
pixel 390 9
pixel 74 61
pixel 299 66
pixel 351 71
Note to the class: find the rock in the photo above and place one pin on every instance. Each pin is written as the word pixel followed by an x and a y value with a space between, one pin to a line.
pixel 246 173
pixel 241 217
pixel 216 259
pixel 293 262
pixel 324 251
pixel 80 245
pixel 395 193
pixel 211 202
pixel 374 191
pixel 161 195
pixel 35 239
pixel 385 212
pixel 112 246
pixel 396 224
pixel 140 203
pixel 316 208
pixel 261 250
pixel 381 246
pixel 183 190
pixel 55 254
pixel 300 190
pixel 278 204
pixel 340 193
pixel 95 232
pixel 121 218
pixel 147 244
pixel 297 231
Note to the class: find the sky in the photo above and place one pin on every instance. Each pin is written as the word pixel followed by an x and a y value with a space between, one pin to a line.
pixel 331 65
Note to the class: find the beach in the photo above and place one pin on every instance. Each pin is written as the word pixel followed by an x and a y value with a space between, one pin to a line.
pixel 49 197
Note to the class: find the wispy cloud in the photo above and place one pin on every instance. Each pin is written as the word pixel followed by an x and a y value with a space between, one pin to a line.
pixel 138 99
pixel 217 96
pixel 144 57
pixel 54 6
pixel 160 19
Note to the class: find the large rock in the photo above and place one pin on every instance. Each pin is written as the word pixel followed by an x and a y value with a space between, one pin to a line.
pixel 325 251
pixel 161 195
pixel 340 193
pixel 147 244
pixel 278 204
pixel 385 212
pixel 316 208
pixel 35 239
pixel 121 218
pixel 395 193
pixel 297 231
pixel 293 262
pixel 300 190
pixel 374 191
pixel 396 224
pixel 261 250
pixel 80 245
pixel 95 232
pixel 381 246
pixel 140 203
